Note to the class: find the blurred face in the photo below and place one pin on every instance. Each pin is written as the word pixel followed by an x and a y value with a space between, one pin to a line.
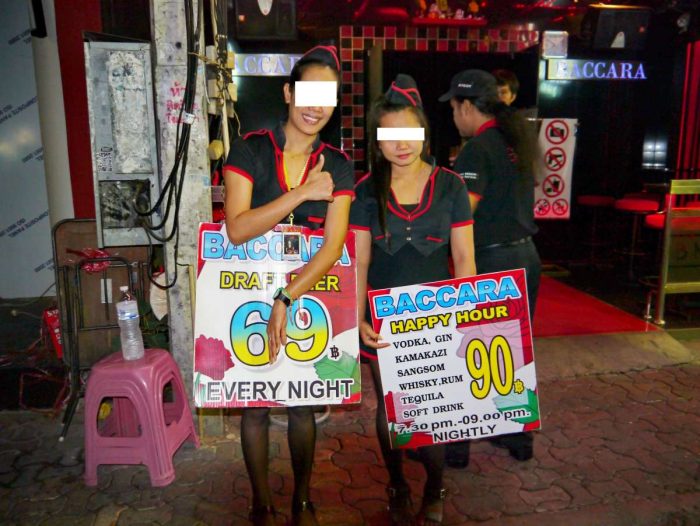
pixel 505 95
pixel 310 120
pixel 461 114
pixel 401 152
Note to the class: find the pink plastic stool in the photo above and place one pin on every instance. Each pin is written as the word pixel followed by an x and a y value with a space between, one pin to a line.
pixel 142 428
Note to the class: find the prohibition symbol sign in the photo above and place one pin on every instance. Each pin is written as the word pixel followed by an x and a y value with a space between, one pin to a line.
pixel 557 132
pixel 553 185
pixel 555 158
pixel 560 207
pixel 541 207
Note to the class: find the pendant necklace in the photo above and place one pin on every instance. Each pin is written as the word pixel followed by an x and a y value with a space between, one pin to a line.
pixel 296 183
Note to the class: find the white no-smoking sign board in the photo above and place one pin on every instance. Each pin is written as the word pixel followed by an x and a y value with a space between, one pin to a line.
pixel 557 141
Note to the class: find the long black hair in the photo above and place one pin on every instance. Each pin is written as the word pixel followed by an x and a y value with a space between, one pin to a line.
pixel 520 135
pixel 379 166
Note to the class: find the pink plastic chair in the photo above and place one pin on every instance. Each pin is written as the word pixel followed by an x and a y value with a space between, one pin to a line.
pixel 142 428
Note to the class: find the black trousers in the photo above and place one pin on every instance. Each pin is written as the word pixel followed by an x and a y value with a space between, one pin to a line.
pixel 496 259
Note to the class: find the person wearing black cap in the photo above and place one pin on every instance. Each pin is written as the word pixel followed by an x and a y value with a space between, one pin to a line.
pixel 498 165
pixel 409 215
pixel 272 176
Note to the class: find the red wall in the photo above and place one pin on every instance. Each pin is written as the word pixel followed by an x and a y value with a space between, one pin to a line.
pixel 688 163
pixel 72 18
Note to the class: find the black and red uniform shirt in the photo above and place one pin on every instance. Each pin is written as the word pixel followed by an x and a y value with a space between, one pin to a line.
pixel 415 247
pixel 506 197
pixel 258 156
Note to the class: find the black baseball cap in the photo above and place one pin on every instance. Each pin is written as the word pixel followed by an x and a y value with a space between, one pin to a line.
pixel 471 83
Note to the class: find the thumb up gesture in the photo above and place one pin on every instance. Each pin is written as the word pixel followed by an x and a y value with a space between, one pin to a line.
pixel 319 184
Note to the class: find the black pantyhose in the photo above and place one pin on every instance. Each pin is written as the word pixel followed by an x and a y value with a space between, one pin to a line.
pixel 255 426
pixel 301 436
pixel 393 458
pixel 432 457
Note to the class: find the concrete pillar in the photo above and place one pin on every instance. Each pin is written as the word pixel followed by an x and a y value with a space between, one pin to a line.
pixel 170 55
pixel 52 118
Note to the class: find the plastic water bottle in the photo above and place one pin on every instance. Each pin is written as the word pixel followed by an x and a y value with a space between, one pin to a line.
pixel 128 314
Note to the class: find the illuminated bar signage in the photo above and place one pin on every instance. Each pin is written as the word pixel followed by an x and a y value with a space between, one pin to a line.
pixel 265 65
pixel 581 69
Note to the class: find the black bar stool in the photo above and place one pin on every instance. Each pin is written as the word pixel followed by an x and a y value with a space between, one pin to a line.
pixel 596 204
pixel 639 205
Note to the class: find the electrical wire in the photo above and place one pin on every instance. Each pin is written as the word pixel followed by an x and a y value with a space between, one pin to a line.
pixel 171 192
pixel 170 197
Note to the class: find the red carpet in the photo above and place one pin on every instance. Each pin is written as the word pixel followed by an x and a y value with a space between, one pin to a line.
pixel 563 310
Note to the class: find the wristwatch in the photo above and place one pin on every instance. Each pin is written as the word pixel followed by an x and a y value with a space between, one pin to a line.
pixel 284 296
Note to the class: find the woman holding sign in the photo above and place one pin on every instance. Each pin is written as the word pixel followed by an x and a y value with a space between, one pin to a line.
pixel 408 215
pixel 287 175
pixel 498 166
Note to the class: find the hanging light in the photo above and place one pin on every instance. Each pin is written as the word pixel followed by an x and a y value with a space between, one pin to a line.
pixel 265 6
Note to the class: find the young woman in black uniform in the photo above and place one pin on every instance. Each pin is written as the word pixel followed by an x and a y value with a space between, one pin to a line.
pixel 497 163
pixel 273 176
pixel 409 214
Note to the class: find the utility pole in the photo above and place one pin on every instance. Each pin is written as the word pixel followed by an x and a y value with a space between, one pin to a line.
pixel 168 28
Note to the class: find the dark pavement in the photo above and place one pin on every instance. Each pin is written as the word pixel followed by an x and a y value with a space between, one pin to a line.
pixel 620 446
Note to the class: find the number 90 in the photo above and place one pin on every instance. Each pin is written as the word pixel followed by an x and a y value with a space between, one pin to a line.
pixel 486 371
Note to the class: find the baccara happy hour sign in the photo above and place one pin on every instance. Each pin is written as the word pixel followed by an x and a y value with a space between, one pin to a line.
pixel 460 364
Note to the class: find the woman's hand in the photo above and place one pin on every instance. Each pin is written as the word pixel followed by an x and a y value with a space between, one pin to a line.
pixel 319 184
pixel 277 329
pixel 369 337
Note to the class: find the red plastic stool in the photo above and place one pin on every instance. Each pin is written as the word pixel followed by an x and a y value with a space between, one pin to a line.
pixel 142 428
pixel 639 207
pixel 596 203
pixel 658 221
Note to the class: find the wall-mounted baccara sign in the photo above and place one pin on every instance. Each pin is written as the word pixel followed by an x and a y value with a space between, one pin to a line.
pixel 264 65
pixel 583 69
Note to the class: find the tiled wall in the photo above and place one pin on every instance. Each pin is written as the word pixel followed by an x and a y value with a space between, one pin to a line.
pixel 354 40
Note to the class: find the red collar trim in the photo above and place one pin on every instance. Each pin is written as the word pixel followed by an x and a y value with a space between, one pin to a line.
pixel 279 160
pixel 423 205
pixel 486 126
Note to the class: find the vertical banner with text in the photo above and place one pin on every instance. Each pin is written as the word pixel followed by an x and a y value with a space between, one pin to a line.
pixel 460 364
pixel 235 284
pixel 557 142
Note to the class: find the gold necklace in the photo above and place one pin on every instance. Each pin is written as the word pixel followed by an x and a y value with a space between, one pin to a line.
pixel 297 182
pixel 299 177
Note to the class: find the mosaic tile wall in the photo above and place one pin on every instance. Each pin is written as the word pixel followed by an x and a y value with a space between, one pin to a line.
pixel 354 40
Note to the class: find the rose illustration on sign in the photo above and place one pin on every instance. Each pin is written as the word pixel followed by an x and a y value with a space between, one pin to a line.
pixel 211 357
pixel 395 408
pixel 486 332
